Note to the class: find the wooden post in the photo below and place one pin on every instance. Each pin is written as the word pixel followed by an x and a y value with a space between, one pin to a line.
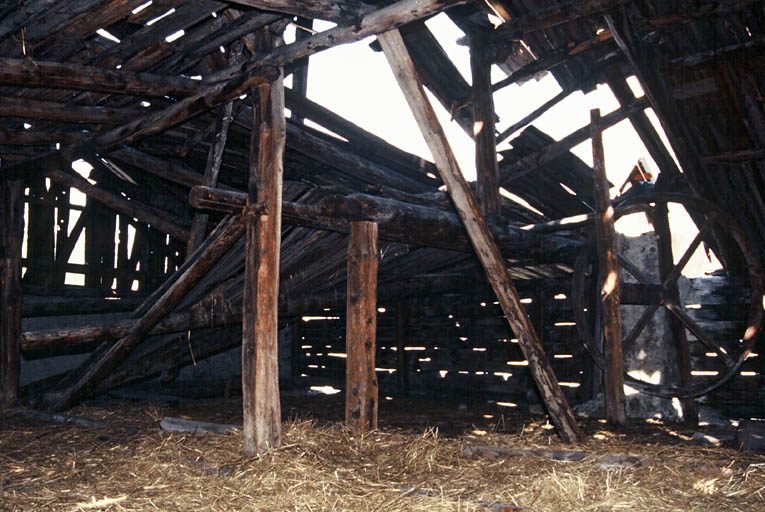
pixel 402 365
pixel 480 236
pixel 260 363
pixel 613 379
pixel 11 296
pixel 361 328
pixel 486 167
pixel 300 70
pixel 679 336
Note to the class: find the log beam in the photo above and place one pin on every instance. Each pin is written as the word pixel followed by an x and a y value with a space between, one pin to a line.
pixel 480 236
pixel 84 378
pixel 28 108
pixel 400 222
pixel 261 409
pixel 59 75
pixel 361 313
pixel 487 169
pixel 11 296
pixel 613 378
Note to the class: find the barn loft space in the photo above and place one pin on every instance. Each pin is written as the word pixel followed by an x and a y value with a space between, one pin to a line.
pixel 412 255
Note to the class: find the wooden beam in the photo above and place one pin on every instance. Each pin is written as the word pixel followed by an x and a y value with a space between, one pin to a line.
pixel 613 379
pixel 261 409
pixel 480 236
pixel 38 109
pixel 340 12
pixel 528 163
pixel 487 169
pixel 160 220
pixel 679 336
pixel 361 315
pixel 85 377
pixel 214 157
pixel 400 222
pixel 11 295
pixel 58 75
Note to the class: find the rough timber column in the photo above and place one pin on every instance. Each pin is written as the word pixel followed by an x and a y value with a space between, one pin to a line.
pixel 608 282
pixel 260 363
pixel 361 328
pixel 480 236
pixel 487 169
pixel 11 235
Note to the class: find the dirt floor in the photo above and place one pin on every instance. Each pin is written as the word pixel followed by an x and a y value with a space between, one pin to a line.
pixel 417 460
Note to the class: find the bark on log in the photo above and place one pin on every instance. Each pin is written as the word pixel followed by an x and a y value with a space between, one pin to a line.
pixel 613 377
pixel 92 371
pixel 11 296
pixel 361 313
pixel 261 410
pixel 401 222
pixel 481 237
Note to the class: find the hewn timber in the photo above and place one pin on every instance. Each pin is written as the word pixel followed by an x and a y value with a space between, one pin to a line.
pixel 399 221
pixel 487 169
pixel 11 295
pixel 214 157
pixel 613 378
pixel 361 327
pixel 679 336
pixel 60 75
pixel 551 152
pixel 84 378
pixel 481 237
pixel 261 410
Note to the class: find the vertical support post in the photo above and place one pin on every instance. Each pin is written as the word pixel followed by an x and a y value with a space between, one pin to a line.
pixel 480 236
pixel 300 71
pixel 260 362
pixel 613 382
pixel 487 169
pixel 11 296
pixel 679 336
pixel 361 328
pixel 402 365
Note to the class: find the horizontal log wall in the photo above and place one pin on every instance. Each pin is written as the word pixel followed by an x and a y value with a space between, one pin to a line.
pixel 459 343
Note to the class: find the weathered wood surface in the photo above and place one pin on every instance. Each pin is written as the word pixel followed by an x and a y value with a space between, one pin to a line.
pixel 679 337
pixel 608 281
pixel 487 170
pixel 160 220
pixel 261 408
pixel 170 424
pixel 63 419
pixel 480 236
pixel 339 12
pixel 102 361
pixel 214 158
pixel 361 315
pixel 54 111
pixel 400 222
pixel 11 295
pixel 37 73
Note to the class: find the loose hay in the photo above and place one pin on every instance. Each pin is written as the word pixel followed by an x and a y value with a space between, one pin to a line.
pixel 411 463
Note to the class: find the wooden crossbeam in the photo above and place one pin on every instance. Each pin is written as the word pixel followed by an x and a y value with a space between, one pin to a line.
pixel 480 236
pixel 58 75
pixel 54 111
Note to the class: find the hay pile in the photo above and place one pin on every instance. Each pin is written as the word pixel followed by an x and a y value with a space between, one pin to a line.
pixel 406 465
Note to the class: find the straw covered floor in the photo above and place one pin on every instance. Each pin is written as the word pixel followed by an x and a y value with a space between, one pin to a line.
pixel 415 461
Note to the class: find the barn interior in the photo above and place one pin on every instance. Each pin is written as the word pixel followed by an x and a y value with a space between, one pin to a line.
pixel 176 220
